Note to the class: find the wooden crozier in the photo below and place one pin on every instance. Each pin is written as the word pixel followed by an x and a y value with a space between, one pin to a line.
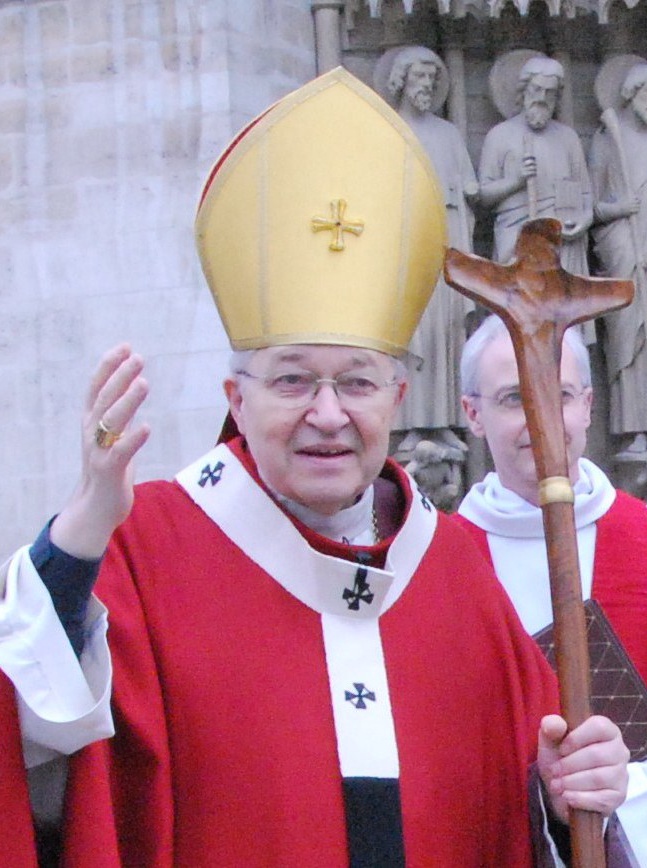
pixel 538 301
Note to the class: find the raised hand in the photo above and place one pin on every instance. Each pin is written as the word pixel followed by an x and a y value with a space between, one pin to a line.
pixel 104 495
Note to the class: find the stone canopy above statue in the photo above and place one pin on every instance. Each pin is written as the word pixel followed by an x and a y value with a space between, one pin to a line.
pixel 490 8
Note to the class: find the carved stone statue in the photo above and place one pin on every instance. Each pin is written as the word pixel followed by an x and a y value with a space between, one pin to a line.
pixel 533 166
pixel 618 163
pixel 417 82
pixel 436 467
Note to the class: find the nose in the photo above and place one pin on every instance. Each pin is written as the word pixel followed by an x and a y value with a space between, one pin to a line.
pixel 325 410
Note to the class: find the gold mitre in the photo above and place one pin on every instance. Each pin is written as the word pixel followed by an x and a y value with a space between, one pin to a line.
pixel 323 223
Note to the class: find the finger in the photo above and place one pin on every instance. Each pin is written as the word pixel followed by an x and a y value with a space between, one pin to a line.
pixel 120 413
pixel 604 801
pixel 590 779
pixel 594 730
pixel 125 383
pixel 123 450
pixel 552 731
pixel 106 368
pixel 601 788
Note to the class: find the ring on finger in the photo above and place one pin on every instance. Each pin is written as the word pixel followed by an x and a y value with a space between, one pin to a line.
pixel 105 437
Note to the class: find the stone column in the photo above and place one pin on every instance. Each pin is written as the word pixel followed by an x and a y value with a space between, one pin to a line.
pixel 453 32
pixel 560 38
pixel 327 19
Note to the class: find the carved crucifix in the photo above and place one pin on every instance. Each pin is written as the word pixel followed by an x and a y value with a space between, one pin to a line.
pixel 538 301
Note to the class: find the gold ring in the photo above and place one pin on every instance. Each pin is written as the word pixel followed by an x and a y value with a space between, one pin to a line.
pixel 105 438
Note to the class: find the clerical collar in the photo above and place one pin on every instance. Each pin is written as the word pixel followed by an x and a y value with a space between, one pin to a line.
pixel 496 509
pixel 353 524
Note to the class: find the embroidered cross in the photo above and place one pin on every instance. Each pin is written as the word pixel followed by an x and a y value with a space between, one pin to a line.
pixel 209 475
pixel 360 592
pixel 357 699
pixel 337 225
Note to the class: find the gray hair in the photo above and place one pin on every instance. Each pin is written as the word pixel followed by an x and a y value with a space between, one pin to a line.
pixel 403 62
pixel 634 80
pixel 239 360
pixel 540 65
pixel 492 328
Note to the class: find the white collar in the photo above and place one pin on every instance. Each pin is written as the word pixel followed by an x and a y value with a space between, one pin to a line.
pixel 354 524
pixel 221 486
pixel 496 509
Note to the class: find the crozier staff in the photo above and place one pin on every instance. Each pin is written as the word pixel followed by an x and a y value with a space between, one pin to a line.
pixel 538 300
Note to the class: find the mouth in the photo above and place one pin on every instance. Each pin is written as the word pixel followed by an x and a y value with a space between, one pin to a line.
pixel 325 452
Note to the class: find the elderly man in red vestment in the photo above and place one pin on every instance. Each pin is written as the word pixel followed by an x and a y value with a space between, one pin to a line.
pixel 311 665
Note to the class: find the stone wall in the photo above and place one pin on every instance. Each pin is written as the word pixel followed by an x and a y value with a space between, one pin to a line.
pixel 110 117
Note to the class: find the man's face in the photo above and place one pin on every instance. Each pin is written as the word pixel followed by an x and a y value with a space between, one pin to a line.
pixel 540 100
pixel 639 103
pixel 499 418
pixel 419 86
pixel 323 454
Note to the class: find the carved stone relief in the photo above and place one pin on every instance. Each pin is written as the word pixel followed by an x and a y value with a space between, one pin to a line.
pixel 618 162
pixel 415 81
pixel 483 46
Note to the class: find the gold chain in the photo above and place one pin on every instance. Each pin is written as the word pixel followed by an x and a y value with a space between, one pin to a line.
pixel 376 531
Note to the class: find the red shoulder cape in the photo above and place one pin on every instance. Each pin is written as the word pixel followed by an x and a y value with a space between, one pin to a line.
pixel 225 751
pixel 619 571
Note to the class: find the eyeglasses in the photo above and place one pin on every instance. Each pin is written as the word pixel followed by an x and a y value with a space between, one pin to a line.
pixel 298 388
pixel 511 399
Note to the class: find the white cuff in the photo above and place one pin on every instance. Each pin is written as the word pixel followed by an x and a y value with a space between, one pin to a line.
pixel 633 812
pixel 63 704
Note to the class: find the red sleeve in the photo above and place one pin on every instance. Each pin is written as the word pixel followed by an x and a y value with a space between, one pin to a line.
pixel 17 844
pixel 119 802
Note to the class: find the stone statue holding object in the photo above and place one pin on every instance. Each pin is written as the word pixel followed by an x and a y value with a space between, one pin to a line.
pixel 416 82
pixel 618 165
pixel 533 165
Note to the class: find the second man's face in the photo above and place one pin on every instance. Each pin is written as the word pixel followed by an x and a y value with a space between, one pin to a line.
pixel 499 417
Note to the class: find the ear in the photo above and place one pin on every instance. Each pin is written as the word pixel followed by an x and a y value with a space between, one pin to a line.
pixel 403 387
pixel 473 415
pixel 234 396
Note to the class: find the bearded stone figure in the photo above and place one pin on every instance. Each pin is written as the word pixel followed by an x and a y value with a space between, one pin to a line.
pixel 533 166
pixel 417 84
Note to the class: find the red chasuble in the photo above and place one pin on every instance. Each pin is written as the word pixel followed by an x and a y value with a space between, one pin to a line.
pixel 226 751
pixel 17 846
pixel 619 571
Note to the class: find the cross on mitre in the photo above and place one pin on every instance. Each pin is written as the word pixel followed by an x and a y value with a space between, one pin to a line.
pixel 337 225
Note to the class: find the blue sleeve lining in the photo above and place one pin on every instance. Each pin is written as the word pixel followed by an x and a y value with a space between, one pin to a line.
pixel 69 581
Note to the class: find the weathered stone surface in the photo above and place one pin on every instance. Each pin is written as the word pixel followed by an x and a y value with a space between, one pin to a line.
pixel 111 115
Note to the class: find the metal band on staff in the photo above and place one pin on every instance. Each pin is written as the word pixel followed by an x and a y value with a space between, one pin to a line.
pixel 555 489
